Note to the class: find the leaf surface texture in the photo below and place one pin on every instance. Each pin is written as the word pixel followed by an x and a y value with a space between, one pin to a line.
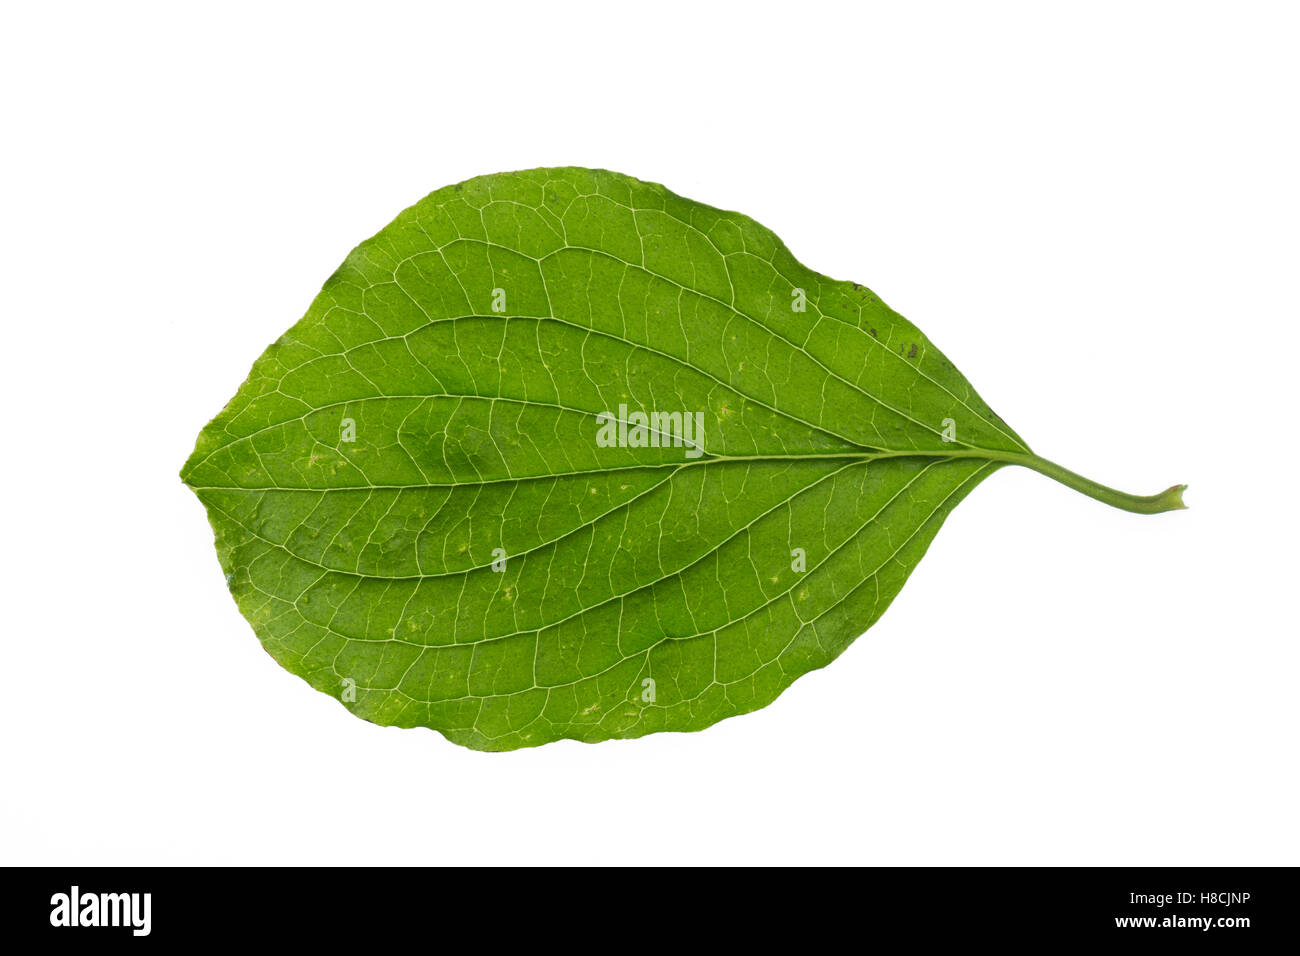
pixel 642 589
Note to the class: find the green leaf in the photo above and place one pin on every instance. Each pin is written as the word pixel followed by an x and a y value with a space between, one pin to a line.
pixel 435 498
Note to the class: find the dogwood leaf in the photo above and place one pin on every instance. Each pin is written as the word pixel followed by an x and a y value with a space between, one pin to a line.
pixel 560 454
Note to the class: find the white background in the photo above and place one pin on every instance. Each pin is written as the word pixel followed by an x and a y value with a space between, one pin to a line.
pixel 1092 209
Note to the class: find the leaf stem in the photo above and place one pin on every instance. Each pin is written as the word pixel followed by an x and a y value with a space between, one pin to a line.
pixel 1171 499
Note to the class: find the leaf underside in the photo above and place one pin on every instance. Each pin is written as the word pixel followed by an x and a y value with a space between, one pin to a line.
pixel 470 558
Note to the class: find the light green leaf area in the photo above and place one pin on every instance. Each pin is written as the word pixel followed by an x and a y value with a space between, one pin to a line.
pixel 418 511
